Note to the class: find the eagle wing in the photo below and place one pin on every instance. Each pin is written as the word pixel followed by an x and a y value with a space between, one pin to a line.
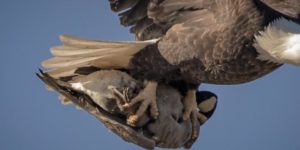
pixel 206 34
pixel 185 41
pixel 151 19
pixel 185 28
pixel 189 28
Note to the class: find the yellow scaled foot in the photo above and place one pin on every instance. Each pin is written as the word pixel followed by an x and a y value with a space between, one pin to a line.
pixel 146 98
pixel 191 112
pixel 190 104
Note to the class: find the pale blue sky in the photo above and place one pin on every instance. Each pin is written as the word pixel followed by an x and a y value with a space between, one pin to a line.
pixel 260 115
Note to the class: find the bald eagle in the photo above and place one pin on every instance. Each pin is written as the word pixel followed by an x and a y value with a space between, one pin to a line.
pixel 187 42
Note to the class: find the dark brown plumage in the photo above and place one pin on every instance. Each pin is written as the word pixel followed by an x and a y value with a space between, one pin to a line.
pixel 202 41
pixel 189 42
pixel 195 41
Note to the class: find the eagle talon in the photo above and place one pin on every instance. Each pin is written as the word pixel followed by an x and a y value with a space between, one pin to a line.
pixel 195 124
pixel 147 98
pixel 132 120
pixel 121 98
pixel 125 93
pixel 206 105
pixel 190 104
pixel 192 112
pixel 195 130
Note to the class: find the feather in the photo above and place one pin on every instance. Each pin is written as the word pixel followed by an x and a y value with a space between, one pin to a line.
pixel 279 42
pixel 76 52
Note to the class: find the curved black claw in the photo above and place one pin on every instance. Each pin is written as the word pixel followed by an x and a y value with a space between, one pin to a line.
pixel 146 98
pixel 195 130
pixel 206 103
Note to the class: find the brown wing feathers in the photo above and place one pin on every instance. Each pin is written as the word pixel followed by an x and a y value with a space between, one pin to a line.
pixel 152 18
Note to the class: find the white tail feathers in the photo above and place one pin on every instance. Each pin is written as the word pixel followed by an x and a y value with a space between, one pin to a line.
pixel 76 52
pixel 279 42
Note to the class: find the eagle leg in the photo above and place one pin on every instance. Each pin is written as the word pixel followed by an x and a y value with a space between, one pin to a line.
pixel 190 104
pixel 199 107
pixel 195 130
pixel 191 112
pixel 197 119
pixel 146 98
pixel 121 98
